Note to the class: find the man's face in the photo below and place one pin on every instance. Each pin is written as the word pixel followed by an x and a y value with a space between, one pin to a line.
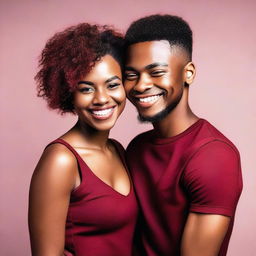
pixel 154 78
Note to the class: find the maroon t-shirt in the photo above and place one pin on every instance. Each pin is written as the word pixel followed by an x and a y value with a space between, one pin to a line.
pixel 195 171
pixel 100 221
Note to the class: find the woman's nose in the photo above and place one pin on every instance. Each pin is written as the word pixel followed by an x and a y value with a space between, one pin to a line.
pixel 101 97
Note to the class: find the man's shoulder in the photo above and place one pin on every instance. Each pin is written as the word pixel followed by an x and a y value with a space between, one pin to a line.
pixel 212 159
pixel 211 134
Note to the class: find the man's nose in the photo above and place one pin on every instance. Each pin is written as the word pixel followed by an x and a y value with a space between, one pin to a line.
pixel 143 83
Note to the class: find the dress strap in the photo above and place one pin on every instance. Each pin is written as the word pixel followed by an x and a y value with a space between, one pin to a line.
pixel 120 149
pixel 80 161
pixel 63 142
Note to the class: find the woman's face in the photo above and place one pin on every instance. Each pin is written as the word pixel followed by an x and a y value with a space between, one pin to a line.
pixel 100 97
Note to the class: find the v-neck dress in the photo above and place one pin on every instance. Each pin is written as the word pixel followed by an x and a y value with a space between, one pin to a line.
pixel 100 220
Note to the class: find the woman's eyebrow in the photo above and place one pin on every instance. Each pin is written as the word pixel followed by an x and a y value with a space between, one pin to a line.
pixel 112 78
pixel 85 82
pixel 92 84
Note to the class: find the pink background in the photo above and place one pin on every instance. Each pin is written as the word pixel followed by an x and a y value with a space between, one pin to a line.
pixel 224 92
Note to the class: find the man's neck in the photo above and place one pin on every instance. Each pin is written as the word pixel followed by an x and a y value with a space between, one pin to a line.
pixel 178 120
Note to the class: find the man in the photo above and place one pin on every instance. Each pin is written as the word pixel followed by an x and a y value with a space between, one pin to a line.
pixel 186 173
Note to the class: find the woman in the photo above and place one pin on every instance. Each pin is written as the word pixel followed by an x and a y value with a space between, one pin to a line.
pixel 81 198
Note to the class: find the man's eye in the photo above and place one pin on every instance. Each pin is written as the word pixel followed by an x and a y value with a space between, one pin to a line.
pixel 158 73
pixel 131 76
pixel 86 90
pixel 113 86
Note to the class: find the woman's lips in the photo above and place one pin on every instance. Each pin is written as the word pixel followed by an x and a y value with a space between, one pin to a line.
pixel 103 113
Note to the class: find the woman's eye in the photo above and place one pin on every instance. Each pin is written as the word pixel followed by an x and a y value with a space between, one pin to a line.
pixel 131 76
pixel 113 86
pixel 86 90
pixel 157 73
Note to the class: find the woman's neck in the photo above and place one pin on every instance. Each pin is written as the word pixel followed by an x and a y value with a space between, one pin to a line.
pixel 86 136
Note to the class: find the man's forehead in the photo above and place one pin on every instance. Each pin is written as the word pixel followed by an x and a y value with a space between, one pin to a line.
pixel 142 54
pixel 149 46
pixel 147 52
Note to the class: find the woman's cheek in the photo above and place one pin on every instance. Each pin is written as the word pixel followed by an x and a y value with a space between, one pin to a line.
pixel 119 95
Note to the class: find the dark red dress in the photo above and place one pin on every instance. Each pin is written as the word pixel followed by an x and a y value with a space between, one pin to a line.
pixel 100 220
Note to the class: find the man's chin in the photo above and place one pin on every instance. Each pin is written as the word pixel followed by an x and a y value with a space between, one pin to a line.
pixel 160 115
pixel 154 118
pixel 143 119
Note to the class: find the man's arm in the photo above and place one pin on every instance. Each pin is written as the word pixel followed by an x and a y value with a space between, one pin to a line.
pixel 204 234
pixel 213 181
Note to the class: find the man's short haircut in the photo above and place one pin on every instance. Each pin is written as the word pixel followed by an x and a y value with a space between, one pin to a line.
pixel 161 27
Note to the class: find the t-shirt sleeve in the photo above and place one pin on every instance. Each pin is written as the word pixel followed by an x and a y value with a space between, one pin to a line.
pixel 212 179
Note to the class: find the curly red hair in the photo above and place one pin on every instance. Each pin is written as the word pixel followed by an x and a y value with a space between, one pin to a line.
pixel 70 55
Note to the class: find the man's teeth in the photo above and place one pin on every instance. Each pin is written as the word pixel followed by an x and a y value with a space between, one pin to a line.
pixel 103 112
pixel 150 98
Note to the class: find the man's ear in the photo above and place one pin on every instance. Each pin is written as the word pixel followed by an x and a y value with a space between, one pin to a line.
pixel 189 73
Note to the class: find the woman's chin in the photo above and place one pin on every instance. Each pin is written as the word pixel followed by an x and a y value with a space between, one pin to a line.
pixel 104 125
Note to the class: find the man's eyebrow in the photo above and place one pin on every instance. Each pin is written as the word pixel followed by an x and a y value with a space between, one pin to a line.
pixel 112 78
pixel 85 82
pixel 150 66
pixel 156 64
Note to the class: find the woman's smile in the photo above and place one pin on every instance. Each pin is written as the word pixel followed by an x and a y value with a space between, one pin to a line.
pixel 102 114
pixel 100 96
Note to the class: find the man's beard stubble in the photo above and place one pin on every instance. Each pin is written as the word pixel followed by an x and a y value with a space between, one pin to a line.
pixel 162 114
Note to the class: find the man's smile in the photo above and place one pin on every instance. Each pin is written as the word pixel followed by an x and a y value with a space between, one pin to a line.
pixel 147 100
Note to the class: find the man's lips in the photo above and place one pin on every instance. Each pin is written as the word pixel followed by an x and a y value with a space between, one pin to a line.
pixel 147 100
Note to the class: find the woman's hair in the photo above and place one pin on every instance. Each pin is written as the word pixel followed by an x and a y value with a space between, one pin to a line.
pixel 70 55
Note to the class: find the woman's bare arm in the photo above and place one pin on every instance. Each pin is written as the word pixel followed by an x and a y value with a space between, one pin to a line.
pixel 51 185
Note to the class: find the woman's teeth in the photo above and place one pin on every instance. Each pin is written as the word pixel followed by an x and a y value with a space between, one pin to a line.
pixel 104 112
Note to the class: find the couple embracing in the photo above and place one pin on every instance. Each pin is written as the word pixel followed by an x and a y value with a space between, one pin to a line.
pixel 172 192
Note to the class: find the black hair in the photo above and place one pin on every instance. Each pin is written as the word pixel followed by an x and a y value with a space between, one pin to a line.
pixel 161 27
pixel 112 43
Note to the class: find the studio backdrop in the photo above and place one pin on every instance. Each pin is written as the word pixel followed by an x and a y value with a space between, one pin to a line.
pixel 223 92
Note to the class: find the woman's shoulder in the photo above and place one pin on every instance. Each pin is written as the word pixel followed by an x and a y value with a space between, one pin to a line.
pixel 55 174
pixel 56 163
pixel 59 153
